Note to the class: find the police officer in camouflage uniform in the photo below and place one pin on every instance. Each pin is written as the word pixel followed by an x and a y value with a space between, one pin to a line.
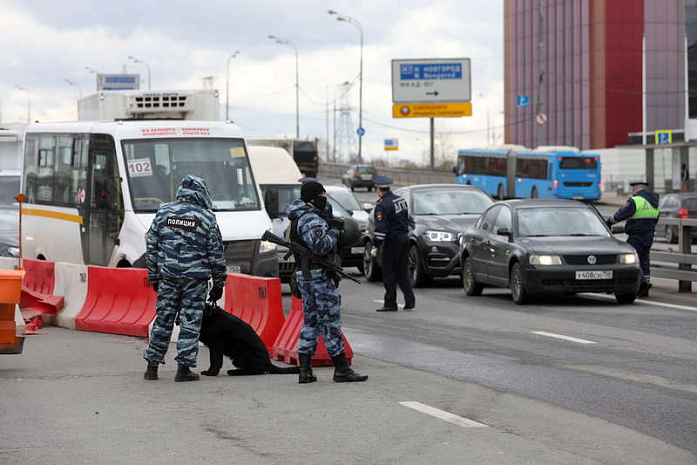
pixel 641 213
pixel 311 228
pixel 184 251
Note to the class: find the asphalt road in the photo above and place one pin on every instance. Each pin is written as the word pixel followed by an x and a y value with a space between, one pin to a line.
pixel 578 380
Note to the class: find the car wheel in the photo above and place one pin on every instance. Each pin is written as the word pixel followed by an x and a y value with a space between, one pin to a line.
pixel 518 292
pixel 370 189
pixel 499 193
pixel 471 286
pixel 534 194
pixel 671 235
pixel 625 298
pixel 417 275
pixel 370 264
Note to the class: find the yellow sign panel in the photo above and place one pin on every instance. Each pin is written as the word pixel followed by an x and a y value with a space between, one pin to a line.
pixel 431 110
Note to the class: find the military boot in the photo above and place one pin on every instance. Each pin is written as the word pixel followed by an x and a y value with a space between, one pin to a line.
pixel 185 374
pixel 151 371
pixel 343 373
pixel 306 375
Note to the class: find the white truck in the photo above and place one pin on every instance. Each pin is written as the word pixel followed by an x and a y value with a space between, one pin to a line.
pixel 198 105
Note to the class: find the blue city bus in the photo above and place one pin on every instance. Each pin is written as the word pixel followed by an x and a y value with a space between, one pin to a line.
pixel 526 174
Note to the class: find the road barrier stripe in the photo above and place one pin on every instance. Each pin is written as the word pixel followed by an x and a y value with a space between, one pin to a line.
pixel 443 415
pixel 561 336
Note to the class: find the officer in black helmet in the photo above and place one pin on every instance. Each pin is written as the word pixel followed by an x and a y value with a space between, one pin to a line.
pixel 392 234
pixel 641 213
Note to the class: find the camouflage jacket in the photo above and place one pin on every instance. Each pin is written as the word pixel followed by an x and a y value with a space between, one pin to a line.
pixel 313 228
pixel 184 240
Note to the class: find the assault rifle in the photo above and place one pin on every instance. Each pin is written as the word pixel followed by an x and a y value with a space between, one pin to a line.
pixel 305 256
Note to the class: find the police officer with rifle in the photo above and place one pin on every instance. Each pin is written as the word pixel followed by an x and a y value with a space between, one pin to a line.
pixel 312 230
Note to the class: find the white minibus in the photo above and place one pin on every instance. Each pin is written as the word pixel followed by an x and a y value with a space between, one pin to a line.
pixel 93 189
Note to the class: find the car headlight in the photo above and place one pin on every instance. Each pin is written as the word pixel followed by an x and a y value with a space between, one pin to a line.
pixel 440 236
pixel 629 259
pixel 545 260
pixel 266 246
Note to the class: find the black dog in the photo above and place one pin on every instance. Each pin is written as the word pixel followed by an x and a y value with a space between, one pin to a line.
pixel 225 334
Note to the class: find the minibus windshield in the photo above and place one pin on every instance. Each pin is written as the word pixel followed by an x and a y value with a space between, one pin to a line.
pixel 156 167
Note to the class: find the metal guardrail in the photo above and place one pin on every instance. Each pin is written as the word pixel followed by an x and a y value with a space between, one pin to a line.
pixel 684 258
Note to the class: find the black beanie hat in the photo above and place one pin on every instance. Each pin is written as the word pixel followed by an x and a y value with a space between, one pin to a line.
pixel 311 190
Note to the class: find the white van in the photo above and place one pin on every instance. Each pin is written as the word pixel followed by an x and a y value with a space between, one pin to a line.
pixel 93 189
pixel 277 175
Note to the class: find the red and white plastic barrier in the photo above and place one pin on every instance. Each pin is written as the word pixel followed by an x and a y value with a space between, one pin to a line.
pixel 285 348
pixel 257 301
pixel 38 288
pixel 119 301
pixel 71 282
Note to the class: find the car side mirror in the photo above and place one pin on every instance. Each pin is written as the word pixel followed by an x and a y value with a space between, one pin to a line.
pixel 367 207
pixel 617 229
pixel 271 203
pixel 504 232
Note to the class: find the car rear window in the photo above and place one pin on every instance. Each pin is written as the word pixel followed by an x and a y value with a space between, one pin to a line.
pixel 690 203
pixel 366 169
pixel 578 163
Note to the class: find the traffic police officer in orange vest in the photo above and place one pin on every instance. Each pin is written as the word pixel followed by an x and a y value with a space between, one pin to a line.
pixel 641 213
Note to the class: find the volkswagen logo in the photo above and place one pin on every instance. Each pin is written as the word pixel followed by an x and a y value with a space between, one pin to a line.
pixel 592 260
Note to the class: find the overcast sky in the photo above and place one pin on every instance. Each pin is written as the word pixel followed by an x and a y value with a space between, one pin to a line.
pixel 45 42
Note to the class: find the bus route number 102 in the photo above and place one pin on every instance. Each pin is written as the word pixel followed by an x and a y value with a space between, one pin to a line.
pixel 139 167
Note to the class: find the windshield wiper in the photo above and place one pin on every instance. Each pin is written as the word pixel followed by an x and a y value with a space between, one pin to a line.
pixel 583 234
pixel 538 235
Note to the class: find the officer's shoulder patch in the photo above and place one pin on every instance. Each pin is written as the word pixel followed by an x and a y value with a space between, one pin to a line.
pixel 379 216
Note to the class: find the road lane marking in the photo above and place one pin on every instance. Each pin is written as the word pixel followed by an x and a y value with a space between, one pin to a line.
pixel 561 336
pixel 381 302
pixel 648 302
pixel 443 415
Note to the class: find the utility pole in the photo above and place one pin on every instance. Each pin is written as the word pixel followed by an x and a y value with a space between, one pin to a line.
pixel 433 147
pixel 540 82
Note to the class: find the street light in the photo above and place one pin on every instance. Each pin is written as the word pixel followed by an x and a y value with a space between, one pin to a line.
pixel 297 85
pixel 357 25
pixel 72 83
pixel 227 86
pixel 28 102
pixel 141 62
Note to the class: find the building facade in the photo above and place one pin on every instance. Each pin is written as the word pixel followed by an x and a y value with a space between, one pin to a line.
pixel 579 65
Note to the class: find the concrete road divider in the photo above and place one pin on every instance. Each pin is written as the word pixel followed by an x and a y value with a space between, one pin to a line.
pixel 38 286
pixel 285 348
pixel 257 301
pixel 71 282
pixel 8 263
pixel 119 301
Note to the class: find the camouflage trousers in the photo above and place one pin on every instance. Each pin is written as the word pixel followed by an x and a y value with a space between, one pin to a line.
pixel 321 302
pixel 186 298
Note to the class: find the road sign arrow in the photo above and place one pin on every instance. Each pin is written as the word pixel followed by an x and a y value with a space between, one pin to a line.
pixel 432 93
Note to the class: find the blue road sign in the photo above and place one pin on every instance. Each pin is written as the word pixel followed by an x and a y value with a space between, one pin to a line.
pixel 360 132
pixel 523 101
pixel 664 137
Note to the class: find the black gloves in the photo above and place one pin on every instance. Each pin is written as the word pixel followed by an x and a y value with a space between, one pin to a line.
pixel 336 223
pixel 215 294
pixel 155 285
pixel 609 222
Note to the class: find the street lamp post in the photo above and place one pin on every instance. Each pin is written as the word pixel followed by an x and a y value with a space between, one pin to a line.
pixel 141 62
pixel 96 73
pixel 297 81
pixel 227 86
pixel 73 83
pixel 359 26
pixel 28 102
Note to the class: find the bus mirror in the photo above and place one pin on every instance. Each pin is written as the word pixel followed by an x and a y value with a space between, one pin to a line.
pixel 271 203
